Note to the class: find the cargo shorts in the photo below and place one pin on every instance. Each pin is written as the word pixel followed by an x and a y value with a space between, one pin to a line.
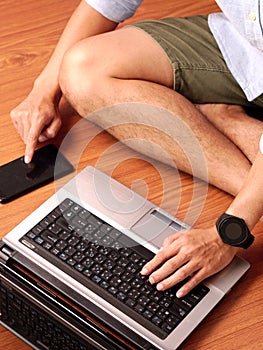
pixel 200 71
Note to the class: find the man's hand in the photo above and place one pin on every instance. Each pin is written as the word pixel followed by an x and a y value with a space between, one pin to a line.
pixel 36 119
pixel 198 253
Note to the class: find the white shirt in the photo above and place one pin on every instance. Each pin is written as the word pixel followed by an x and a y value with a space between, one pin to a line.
pixel 115 10
pixel 238 32
pixel 239 35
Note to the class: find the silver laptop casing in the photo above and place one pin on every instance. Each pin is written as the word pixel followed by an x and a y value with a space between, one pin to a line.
pixel 139 219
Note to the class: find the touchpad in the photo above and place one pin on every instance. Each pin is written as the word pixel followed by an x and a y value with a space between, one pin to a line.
pixel 154 226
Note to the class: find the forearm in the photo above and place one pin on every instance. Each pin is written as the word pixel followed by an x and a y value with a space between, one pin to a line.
pixel 248 204
pixel 84 22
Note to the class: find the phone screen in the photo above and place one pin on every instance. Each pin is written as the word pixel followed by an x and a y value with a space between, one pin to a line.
pixel 18 178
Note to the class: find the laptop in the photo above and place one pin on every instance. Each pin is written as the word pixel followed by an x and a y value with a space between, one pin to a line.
pixel 70 272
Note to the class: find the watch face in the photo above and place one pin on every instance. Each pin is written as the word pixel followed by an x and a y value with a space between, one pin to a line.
pixel 234 231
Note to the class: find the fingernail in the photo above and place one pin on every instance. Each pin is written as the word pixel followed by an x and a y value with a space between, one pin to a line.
pixel 42 138
pixel 160 286
pixel 26 159
pixel 179 293
pixel 151 280
pixel 144 271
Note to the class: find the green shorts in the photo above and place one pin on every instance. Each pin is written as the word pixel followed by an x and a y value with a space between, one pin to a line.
pixel 200 71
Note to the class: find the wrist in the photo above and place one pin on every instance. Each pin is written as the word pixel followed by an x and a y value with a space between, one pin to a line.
pixel 48 88
pixel 245 215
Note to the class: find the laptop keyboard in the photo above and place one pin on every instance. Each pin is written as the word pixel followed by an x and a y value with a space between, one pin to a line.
pixel 109 263
pixel 35 325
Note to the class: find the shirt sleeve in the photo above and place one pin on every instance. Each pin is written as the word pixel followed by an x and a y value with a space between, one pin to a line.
pixel 115 10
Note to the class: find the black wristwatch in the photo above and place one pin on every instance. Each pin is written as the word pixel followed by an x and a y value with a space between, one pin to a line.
pixel 234 231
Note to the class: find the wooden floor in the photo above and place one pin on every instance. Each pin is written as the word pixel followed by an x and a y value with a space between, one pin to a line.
pixel 29 31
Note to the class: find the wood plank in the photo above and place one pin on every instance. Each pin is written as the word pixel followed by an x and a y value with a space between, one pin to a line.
pixel 29 32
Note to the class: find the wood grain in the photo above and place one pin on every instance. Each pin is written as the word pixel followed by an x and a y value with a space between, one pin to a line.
pixel 29 32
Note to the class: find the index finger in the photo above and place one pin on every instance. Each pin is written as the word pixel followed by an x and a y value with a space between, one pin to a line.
pixel 32 140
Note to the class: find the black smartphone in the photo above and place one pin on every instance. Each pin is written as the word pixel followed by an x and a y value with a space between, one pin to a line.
pixel 18 178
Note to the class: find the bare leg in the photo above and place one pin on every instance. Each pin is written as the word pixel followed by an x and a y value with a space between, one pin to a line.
pixel 128 66
pixel 239 127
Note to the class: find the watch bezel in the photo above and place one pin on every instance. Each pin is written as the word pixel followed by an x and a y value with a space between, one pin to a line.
pixel 244 240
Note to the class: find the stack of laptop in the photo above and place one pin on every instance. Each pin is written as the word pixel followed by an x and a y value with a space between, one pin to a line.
pixel 70 273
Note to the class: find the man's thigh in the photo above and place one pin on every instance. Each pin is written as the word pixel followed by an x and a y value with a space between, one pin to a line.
pixel 126 53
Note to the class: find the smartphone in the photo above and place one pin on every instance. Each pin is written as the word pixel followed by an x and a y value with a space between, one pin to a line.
pixel 18 178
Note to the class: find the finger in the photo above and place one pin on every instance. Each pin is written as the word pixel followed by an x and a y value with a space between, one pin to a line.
pixel 197 278
pixel 25 125
pixel 163 255
pixel 32 139
pixel 51 130
pixel 30 148
pixel 172 272
pixel 203 273
pixel 177 276
pixel 42 138
pixel 169 240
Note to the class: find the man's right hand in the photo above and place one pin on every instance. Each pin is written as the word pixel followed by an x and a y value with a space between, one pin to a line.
pixel 36 119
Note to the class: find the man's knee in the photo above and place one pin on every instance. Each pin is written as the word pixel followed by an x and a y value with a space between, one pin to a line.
pixel 77 76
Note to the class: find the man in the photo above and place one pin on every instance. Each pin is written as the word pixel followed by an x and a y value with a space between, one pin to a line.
pixel 181 65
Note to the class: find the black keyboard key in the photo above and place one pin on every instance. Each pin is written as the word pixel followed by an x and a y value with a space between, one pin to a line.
pixel 78 222
pixel 87 273
pixel 46 222
pixel 78 256
pixel 37 229
pixel 79 267
pixel 55 229
pixel 64 224
pixel 71 261
pixel 157 321
pixel 63 256
pixel 139 308
pixel 73 241
pixel 130 302
pixel 93 220
pixel 96 279
pixel 106 275
pixel 49 237
pixel 55 251
pixel 121 296
pixel 61 245
pixel 70 250
pixel 39 240
pixel 152 306
pixel 113 290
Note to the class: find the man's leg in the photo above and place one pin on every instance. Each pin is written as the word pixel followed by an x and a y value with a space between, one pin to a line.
pixel 128 66
pixel 240 128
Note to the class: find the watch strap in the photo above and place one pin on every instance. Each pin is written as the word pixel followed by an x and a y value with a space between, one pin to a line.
pixel 250 238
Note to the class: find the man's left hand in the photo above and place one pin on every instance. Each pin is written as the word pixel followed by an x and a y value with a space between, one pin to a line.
pixel 198 253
